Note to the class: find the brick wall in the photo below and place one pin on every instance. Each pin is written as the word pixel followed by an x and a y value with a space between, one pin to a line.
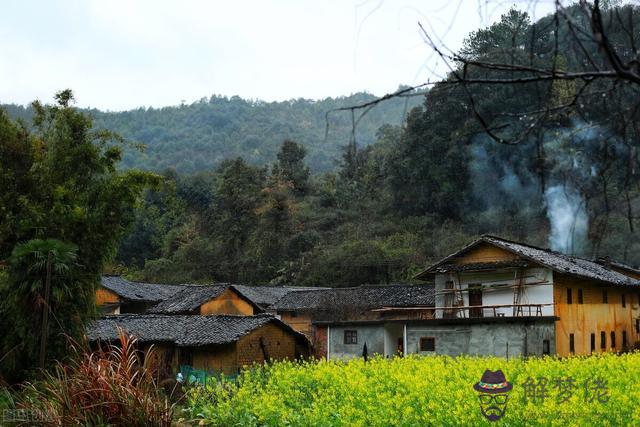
pixel 320 342
pixel 278 344
pixel 219 358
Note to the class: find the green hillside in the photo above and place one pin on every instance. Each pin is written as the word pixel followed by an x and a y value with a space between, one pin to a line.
pixel 198 136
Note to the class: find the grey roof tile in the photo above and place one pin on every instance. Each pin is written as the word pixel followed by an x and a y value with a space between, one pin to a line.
pixel 183 330
pixel 188 299
pixel 266 296
pixel 361 298
pixel 138 291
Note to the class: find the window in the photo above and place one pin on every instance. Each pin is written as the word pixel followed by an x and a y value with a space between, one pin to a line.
pixel 624 300
pixel 605 297
pixel 427 344
pixel 603 340
pixel 580 296
pixel 593 342
pixel 545 347
pixel 613 339
pixel 637 326
pixel 572 347
pixel 624 340
pixel 569 296
pixel 351 337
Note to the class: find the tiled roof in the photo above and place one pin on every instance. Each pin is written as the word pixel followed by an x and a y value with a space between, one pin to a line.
pixel 137 291
pixel 188 299
pixel 608 263
pixel 360 298
pixel 183 330
pixel 556 261
pixel 266 296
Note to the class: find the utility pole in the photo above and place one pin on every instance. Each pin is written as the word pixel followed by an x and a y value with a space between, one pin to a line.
pixel 45 313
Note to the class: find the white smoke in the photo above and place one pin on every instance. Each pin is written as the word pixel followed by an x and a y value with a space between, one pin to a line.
pixel 567 214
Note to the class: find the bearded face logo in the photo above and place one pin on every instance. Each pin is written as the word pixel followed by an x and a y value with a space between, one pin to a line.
pixel 493 389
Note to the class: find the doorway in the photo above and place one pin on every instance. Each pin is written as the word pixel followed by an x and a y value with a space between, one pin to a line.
pixel 475 300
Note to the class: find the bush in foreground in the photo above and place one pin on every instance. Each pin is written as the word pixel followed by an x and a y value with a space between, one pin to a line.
pixel 425 391
pixel 111 387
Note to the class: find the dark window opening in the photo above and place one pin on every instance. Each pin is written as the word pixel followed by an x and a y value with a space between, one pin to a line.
pixel 624 300
pixel 624 340
pixel 351 337
pixel 605 297
pixel 637 326
pixel 613 339
pixel 427 344
pixel 580 301
pixel 572 347
pixel 475 300
pixel 569 296
pixel 603 340
pixel 546 348
pixel 593 342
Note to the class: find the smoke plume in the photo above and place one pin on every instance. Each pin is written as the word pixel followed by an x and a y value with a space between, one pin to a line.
pixel 568 218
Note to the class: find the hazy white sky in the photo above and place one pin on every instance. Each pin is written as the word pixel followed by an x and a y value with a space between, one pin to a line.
pixel 123 54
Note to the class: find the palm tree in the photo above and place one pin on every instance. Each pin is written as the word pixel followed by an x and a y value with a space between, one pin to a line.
pixel 37 263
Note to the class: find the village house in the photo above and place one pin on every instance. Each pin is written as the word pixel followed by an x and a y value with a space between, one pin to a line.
pixel 492 297
pixel 207 299
pixel 504 298
pixel 341 321
pixel 223 298
pixel 116 295
pixel 220 343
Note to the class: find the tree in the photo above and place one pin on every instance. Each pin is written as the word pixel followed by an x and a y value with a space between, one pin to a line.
pixel 62 184
pixel 291 167
pixel 428 169
pixel 237 197
pixel 43 273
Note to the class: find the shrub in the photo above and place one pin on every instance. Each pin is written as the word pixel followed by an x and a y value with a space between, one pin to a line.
pixel 113 386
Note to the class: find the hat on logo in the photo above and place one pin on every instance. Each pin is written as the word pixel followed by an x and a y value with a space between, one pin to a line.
pixel 493 382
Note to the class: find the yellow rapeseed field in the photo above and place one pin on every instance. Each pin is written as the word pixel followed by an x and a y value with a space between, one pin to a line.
pixel 421 391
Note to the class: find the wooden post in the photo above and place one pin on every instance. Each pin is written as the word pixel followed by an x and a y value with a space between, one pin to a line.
pixel 45 313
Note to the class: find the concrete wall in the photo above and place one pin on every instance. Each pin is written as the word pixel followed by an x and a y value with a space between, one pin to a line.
pixel 498 339
pixel 497 289
pixel 373 335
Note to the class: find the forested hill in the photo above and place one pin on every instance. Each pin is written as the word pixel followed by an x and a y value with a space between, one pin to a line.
pixel 197 137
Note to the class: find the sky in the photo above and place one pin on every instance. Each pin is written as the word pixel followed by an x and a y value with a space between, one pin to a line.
pixel 125 54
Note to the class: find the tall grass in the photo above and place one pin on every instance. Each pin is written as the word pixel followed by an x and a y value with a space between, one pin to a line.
pixel 112 386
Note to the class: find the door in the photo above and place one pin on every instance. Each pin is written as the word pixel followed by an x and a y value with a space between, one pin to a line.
pixel 475 299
